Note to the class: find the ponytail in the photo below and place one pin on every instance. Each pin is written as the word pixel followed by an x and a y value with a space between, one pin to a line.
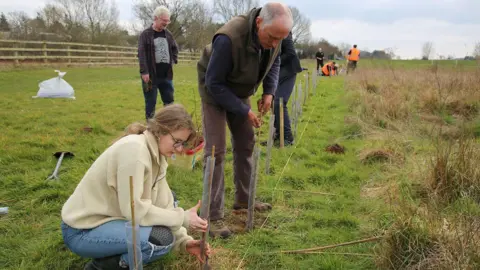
pixel 134 128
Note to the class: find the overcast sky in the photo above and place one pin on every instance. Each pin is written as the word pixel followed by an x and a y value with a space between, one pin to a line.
pixel 404 25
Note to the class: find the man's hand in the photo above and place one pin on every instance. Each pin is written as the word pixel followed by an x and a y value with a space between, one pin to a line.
pixel 145 78
pixel 264 104
pixel 193 248
pixel 196 223
pixel 254 120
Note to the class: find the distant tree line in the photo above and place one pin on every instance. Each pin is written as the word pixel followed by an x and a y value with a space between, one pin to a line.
pixel 193 23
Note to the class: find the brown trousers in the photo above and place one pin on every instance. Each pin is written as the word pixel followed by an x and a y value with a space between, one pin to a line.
pixel 215 120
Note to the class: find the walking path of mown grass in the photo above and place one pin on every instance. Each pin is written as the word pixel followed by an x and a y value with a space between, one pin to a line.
pixel 108 99
pixel 301 219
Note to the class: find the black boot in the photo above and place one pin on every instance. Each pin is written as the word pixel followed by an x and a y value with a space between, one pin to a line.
pixel 108 263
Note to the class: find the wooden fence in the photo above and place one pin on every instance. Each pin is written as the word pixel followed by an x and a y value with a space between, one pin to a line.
pixel 20 52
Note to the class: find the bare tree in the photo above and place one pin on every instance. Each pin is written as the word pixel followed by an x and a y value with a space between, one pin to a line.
pixel 50 14
pixel 4 26
pixel 19 24
pixel 198 25
pixel 391 52
pixel 227 9
pixel 99 17
pixel 344 48
pixel 476 50
pixel 427 50
pixel 301 26
pixel 144 9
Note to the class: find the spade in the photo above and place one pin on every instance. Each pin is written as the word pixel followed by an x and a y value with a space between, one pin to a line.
pixel 60 156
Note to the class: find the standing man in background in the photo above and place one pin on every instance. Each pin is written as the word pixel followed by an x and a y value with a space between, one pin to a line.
pixel 319 55
pixel 244 53
pixel 353 57
pixel 157 52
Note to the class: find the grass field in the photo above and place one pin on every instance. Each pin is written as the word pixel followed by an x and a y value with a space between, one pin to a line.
pixel 108 99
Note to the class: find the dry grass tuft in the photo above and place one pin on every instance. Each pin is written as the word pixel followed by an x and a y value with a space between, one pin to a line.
pixel 376 155
pixel 427 242
pixel 455 171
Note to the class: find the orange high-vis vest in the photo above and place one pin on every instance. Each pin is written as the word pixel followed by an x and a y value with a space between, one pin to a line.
pixel 325 68
pixel 354 55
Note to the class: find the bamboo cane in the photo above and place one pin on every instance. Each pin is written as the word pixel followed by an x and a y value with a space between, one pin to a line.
pixel 305 191
pixel 134 235
pixel 332 246
pixel 339 253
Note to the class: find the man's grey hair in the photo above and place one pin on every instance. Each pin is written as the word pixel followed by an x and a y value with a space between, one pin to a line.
pixel 272 11
pixel 161 10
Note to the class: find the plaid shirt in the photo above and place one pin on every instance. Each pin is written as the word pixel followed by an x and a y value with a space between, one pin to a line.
pixel 146 52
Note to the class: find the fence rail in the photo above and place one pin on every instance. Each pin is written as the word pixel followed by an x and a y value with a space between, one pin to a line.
pixel 25 51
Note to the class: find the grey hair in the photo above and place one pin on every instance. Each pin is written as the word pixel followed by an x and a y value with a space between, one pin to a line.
pixel 161 10
pixel 272 11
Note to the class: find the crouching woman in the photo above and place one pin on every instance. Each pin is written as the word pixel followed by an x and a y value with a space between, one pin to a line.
pixel 95 215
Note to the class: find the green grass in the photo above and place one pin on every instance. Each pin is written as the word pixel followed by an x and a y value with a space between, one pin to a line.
pixel 108 99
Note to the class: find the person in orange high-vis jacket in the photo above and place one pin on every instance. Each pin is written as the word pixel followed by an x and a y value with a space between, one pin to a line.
pixel 328 69
pixel 353 57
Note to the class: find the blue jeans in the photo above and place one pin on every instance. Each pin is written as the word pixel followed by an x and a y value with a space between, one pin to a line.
pixel 284 91
pixel 165 87
pixel 110 239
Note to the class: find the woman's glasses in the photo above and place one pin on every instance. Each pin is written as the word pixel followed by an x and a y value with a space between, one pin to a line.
pixel 177 143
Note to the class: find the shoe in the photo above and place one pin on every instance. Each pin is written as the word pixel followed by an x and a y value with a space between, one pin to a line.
pixel 108 263
pixel 259 206
pixel 219 229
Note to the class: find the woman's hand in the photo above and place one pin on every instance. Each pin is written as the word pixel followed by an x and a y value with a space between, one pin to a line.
pixel 197 223
pixel 193 248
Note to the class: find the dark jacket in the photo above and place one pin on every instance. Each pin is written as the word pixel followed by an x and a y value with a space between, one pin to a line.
pixel 246 55
pixel 146 52
pixel 290 63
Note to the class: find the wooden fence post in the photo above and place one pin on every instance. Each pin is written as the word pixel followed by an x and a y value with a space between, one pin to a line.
pixel 44 49
pixel 69 55
pixel 106 54
pixel 15 53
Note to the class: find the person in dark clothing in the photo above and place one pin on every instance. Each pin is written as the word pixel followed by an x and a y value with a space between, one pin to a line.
pixel 157 52
pixel 244 53
pixel 319 55
pixel 289 67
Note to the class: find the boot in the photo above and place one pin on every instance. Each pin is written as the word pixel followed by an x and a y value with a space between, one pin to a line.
pixel 108 263
pixel 219 229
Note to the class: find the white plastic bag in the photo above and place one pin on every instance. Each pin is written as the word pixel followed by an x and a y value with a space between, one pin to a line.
pixel 55 88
